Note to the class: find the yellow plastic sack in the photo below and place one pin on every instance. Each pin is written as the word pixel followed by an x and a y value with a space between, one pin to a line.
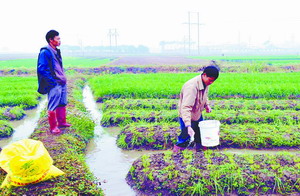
pixel 26 162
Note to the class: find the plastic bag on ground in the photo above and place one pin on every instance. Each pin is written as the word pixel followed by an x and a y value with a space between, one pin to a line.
pixel 27 162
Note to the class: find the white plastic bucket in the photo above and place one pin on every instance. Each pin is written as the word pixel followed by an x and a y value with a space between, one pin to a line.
pixel 210 132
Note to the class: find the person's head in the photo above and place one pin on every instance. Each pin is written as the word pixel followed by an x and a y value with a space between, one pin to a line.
pixel 210 74
pixel 53 38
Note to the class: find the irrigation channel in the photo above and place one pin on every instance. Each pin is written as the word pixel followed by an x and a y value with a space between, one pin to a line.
pixel 109 163
pixel 104 158
pixel 24 128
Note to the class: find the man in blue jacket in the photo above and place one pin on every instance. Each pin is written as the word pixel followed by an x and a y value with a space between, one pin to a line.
pixel 53 82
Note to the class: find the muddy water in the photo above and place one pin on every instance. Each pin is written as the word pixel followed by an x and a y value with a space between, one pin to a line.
pixel 108 162
pixel 24 128
pixel 111 164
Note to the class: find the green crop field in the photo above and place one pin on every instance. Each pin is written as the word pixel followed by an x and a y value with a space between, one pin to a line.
pixel 16 91
pixel 256 111
pixel 168 85
pixel 256 99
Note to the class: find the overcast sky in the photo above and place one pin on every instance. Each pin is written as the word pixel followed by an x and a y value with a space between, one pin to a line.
pixel 24 23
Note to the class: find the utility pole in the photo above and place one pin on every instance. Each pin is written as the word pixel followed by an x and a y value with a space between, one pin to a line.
pixel 190 23
pixel 80 42
pixel 112 33
pixel 198 40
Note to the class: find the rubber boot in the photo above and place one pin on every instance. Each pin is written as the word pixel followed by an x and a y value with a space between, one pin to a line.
pixel 176 148
pixel 61 117
pixel 199 147
pixel 53 122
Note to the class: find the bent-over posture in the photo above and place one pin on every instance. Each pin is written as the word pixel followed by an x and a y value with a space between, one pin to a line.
pixel 193 100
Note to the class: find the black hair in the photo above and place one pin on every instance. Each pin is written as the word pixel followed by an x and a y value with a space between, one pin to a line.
pixel 212 70
pixel 51 34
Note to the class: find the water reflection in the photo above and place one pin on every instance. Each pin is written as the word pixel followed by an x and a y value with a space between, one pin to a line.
pixel 111 164
pixel 105 159
pixel 24 128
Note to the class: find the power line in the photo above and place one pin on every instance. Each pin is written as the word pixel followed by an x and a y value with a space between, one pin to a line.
pixel 113 34
pixel 190 23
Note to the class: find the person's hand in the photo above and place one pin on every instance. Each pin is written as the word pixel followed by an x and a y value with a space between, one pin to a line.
pixel 191 132
pixel 208 109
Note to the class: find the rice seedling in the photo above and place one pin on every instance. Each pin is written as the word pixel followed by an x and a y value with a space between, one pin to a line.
pixel 224 175
pixel 6 129
pixel 163 85
pixel 17 91
pixel 229 104
pixel 123 117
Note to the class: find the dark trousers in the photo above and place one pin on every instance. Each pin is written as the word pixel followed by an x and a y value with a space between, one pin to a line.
pixel 184 137
pixel 57 97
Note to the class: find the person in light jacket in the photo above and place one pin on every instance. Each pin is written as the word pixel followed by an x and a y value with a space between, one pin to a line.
pixel 53 82
pixel 193 100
